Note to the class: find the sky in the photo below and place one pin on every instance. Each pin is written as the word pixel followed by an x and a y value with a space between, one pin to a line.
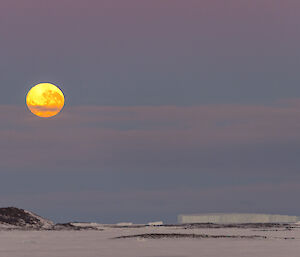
pixel 172 107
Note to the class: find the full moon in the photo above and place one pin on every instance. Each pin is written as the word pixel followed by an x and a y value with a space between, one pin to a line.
pixel 45 100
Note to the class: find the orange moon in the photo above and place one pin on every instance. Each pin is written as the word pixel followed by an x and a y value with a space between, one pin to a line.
pixel 45 100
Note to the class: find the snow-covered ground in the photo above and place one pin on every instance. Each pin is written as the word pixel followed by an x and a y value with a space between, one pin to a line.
pixel 98 243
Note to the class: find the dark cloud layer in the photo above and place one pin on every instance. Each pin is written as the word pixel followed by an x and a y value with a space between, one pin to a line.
pixel 91 157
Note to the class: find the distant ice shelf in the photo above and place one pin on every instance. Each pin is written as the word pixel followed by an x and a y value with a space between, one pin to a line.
pixel 236 218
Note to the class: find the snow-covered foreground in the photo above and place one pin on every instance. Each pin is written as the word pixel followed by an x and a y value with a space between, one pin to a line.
pixel 92 243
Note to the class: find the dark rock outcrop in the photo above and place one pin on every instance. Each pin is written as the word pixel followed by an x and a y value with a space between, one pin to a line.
pixel 24 219
pixel 200 236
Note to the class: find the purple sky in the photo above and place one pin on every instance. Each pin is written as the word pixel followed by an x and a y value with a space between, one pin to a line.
pixel 172 107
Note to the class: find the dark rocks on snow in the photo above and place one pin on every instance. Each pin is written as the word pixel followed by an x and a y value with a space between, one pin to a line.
pixel 199 236
pixel 22 218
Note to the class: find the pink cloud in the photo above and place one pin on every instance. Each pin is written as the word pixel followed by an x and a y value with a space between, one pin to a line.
pixel 107 133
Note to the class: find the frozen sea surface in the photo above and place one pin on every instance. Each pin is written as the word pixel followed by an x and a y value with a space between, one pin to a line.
pixel 93 243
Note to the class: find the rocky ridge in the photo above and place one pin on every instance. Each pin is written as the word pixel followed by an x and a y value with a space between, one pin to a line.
pixel 12 217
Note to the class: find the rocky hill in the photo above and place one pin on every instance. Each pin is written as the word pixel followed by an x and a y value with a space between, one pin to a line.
pixel 12 217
